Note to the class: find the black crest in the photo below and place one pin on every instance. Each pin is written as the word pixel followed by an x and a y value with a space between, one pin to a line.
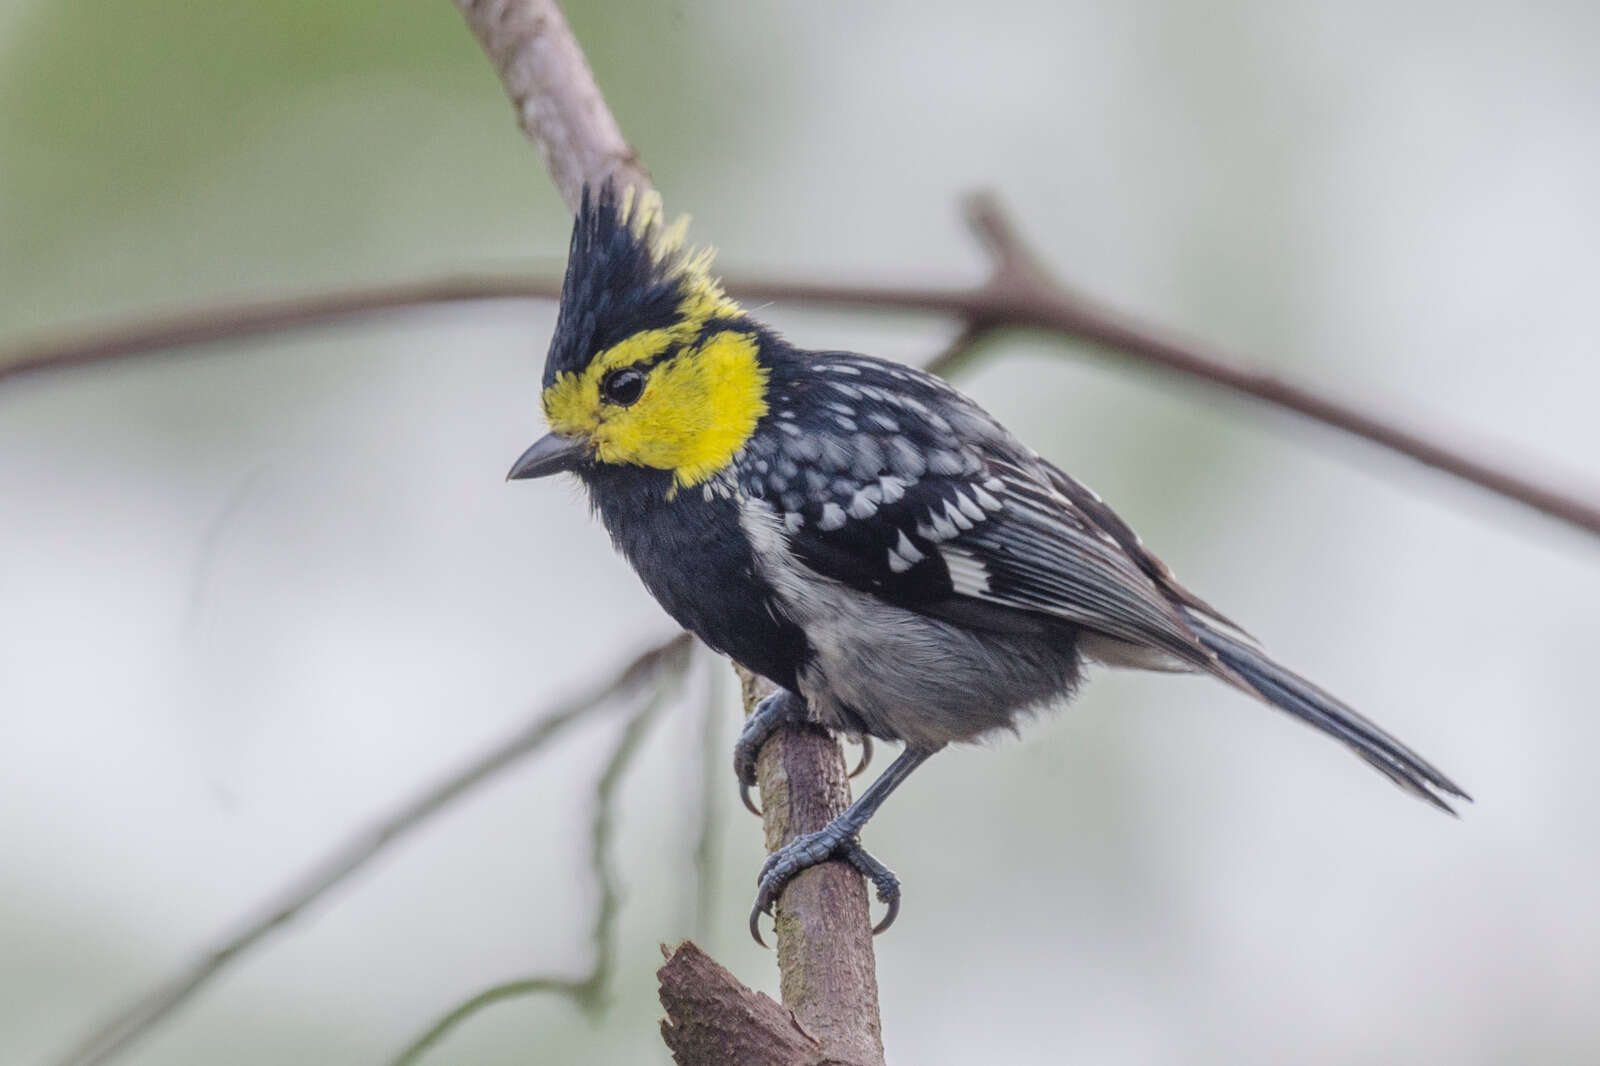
pixel 623 275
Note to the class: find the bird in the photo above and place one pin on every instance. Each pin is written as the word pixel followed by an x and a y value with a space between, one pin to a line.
pixel 858 532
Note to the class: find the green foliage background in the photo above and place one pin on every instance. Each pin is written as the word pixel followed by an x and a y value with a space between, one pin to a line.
pixel 252 595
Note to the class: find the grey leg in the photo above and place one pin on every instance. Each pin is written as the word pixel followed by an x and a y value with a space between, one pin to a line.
pixel 838 839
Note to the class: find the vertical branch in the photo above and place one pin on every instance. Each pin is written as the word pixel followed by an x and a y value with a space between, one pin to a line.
pixel 826 970
pixel 824 934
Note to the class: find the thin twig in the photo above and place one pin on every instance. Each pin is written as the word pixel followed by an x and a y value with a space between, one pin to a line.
pixel 1018 296
pixel 164 333
pixel 573 988
pixel 118 1032
pixel 587 991
pixel 1044 303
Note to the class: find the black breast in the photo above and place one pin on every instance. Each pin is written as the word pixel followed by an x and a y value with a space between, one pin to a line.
pixel 692 555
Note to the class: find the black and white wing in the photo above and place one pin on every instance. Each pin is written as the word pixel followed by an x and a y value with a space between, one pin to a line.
pixel 1041 552
pixel 915 495
pixel 999 548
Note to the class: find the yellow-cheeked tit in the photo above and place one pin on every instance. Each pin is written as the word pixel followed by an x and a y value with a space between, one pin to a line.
pixel 859 532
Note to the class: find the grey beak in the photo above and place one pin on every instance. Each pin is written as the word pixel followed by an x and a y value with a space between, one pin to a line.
pixel 551 454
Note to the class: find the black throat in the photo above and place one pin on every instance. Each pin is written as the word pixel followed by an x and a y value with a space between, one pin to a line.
pixel 691 553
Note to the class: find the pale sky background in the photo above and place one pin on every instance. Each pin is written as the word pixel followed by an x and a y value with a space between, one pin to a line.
pixel 253 595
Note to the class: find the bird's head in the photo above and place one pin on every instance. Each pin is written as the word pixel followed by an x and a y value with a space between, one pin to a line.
pixel 652 365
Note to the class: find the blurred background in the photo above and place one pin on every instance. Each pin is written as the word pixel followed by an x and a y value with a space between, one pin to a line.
pixel 253 595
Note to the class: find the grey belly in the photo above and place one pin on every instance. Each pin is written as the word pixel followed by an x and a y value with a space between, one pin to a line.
pixel 896 674
pixel 900 675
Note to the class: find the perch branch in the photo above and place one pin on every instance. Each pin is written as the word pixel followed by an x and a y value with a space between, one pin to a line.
pixel 119 1031
pixel 827 973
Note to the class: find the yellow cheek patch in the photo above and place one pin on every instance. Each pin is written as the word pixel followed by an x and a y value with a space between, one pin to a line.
pixel 697 411
pixel 698 407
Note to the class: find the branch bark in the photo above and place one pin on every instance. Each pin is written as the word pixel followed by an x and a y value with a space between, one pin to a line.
pixel 713 1020
pixel 827 973
pixel 553 90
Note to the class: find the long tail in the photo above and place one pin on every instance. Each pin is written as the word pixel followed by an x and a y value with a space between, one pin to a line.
pixel 1291 692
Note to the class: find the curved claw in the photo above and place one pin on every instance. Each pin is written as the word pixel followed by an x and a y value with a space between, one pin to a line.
pixel 885 884
pixel 866 756
pixel 744 770
pixel 766 718
pixel 755 924
pixel 767 892
pixel 889 916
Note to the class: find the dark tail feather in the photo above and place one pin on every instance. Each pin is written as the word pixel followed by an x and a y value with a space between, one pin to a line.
pixel 1290 692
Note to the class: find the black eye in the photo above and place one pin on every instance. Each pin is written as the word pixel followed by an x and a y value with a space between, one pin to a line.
pixel 623 387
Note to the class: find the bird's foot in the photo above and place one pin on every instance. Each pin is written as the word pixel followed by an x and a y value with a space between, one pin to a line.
pixel 774 712
pixel 812 849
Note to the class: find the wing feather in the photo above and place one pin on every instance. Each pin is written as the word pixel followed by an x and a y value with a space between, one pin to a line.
pixel 1031 552
pixel 1042 554
pixel 920 498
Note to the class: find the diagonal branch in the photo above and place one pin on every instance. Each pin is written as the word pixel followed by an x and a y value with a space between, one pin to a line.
pixel 119 1031
pixel 553 90
pixel 1018 295
pixel 587 991
pixel 1043 303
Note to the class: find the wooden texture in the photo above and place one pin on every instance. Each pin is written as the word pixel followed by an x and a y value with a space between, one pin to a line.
pixel 713 1020
pixel 826 968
